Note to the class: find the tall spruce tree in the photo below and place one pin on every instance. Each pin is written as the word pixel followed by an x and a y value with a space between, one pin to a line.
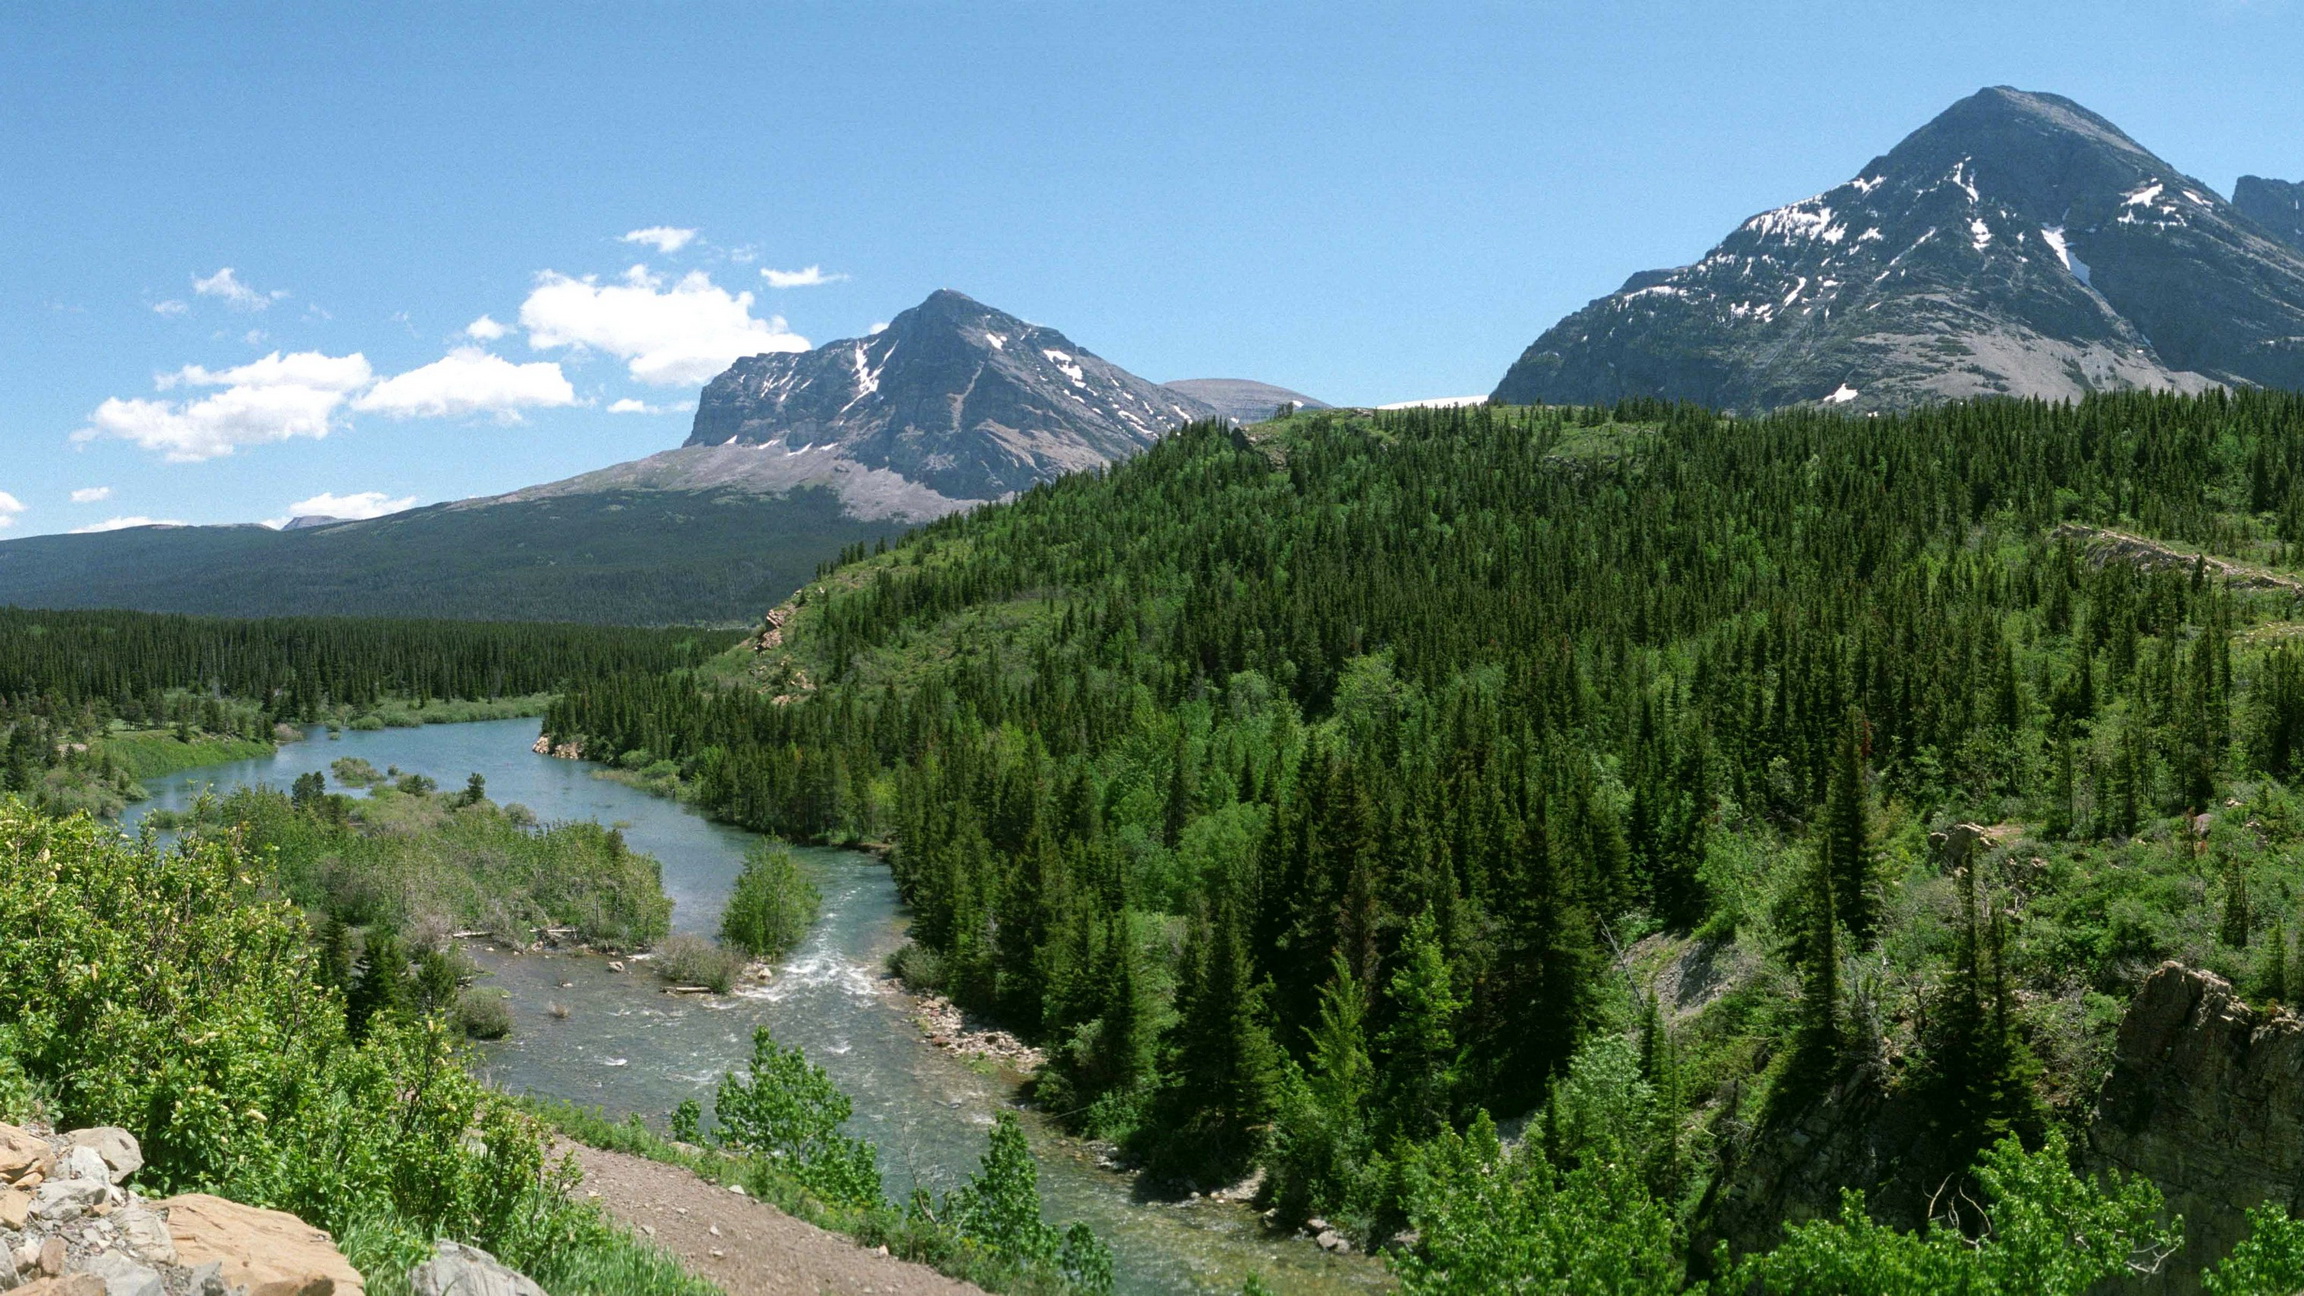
pixel 1847 839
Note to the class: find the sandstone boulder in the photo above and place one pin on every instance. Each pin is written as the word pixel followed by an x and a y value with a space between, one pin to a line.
pixel 20 1151
pixel 459 1270
pixel 271 1253
pixel 122 1154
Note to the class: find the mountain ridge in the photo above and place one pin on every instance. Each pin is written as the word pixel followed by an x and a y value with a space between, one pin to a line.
pixel 957 396
pixel 2016 244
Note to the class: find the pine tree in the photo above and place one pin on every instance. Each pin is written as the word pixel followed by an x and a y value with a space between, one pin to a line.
pixel 380 988
pixel 1420 1053
pixel 1847 838
pixel 2061 793
pixel 1218 1083
pixel 2237 918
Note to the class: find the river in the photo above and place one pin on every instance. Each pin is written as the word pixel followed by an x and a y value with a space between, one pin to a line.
pixel 625 1046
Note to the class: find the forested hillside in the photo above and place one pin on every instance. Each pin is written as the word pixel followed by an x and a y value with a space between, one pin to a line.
pixel 1313 792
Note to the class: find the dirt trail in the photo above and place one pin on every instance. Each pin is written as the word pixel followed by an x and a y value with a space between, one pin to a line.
pixel 758 1250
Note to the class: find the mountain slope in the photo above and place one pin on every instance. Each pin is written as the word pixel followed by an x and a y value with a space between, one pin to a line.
pixel 966 400
pixel 614 556
pixel 2018 244
pixel 1243 400
pixel 2277 205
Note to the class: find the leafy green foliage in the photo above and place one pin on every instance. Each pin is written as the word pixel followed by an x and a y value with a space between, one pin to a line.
pixel 787 1110
pixel 773 904
pixel 406 857
pixel 2268 1262
pixel 165 991
pixel 2041 1231
pixel 1492 1219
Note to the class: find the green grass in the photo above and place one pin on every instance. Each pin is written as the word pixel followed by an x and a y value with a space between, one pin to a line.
pixel 153 753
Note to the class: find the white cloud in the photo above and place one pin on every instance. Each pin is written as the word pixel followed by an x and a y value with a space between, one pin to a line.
pixel 664 238
pixel 807 278
pixel 879 327
pixel 485 329
pixel 169 307
pixel 10 506
pixel 123 523
pixel 91 494
pixel 225 284
pixel 630 406
pixel 352 508
pixel 676 337
pixel 469 381
pixel 273 399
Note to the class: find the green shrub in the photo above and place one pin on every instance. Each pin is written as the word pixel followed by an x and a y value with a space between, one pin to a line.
pixel 788 1111
pixel 688 960
pixel 773 905
pixel 168 992
pixel 484 1014
pixel 2268 1262
pixel 918 967
pixel 2051 1233
pixel 352 771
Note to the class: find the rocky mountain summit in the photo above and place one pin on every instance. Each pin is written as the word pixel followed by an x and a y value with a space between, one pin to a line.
pixel 969 401
pixel 2018 244
pixel 2276 205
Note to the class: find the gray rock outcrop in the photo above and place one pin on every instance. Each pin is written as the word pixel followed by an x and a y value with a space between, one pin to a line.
pixel 2276 205
pixel 2205 1099
pixel 459 1270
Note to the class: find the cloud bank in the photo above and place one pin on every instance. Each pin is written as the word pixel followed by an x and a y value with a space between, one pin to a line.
pixel 10 506
pixel 677 336
pixel 469 381
pixel 283 397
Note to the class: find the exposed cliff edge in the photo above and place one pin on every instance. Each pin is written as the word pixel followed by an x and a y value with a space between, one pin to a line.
pixel 2205 1099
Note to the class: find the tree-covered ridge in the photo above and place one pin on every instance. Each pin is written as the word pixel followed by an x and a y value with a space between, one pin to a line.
pixel 1310 791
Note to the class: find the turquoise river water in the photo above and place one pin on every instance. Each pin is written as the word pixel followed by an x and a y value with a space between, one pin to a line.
pixel 626 1046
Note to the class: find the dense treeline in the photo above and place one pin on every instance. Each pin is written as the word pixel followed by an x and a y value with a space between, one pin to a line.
pixel 1310 791
pixel 296 665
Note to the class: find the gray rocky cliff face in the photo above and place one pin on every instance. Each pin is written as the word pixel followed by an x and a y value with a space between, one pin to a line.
pixel 2275 205
pixel 2205 1099
pixel 969 401
pixel 2018 245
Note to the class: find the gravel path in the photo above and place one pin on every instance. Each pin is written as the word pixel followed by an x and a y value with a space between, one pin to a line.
pixel 749 1248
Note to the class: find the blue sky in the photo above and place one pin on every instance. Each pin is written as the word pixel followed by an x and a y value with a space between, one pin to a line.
pixel 1367 203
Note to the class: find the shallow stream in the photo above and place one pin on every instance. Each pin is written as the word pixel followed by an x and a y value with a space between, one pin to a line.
pixel 626 1046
